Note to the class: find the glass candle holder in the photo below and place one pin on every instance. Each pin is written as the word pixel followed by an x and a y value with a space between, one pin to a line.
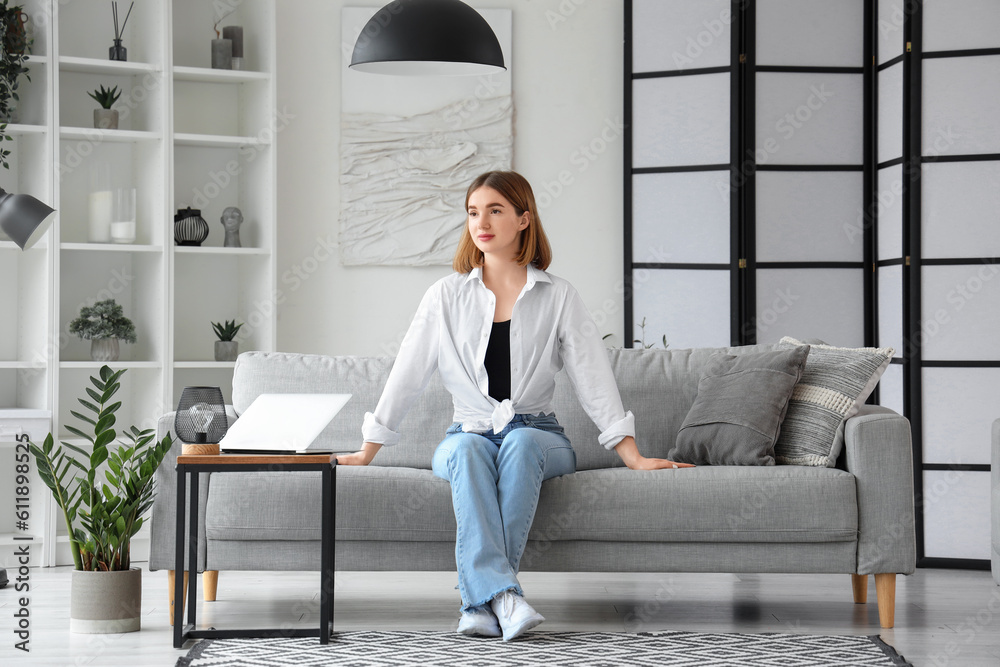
pixel 123 215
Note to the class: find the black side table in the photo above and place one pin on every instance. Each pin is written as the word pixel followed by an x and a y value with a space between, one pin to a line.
pixel 192 465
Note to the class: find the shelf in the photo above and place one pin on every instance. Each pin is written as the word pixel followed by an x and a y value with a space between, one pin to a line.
pixel 32 60
pixel 204 364
pixel 208 75
pixel 19 129
pixel 215 140
pixel 7 365
pixel 217 250
pixel 98 66
pixel 117 365
pixel 96 135
pixel 110 247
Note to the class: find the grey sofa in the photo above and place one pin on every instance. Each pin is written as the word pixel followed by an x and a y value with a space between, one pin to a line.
pixel 856 518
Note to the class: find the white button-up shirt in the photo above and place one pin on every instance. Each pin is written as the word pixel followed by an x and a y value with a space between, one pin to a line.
pixel 550 328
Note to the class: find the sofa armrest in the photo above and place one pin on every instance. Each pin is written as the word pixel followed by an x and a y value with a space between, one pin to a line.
pixel 163 518
pixel 995 500
pixel 880 456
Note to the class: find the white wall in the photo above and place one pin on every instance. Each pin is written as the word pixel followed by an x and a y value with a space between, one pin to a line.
pixel 567 77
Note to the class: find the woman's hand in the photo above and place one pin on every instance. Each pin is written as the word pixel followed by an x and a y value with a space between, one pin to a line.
pixel 656 464
pixel 629 453
pixel 360 458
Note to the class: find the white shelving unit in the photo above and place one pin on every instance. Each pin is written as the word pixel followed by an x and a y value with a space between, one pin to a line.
pixel 188 135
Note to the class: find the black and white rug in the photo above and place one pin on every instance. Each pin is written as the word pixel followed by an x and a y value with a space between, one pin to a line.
pixel 604 649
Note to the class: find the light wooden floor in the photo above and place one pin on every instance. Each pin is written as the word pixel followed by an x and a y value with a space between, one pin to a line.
pixel 943 617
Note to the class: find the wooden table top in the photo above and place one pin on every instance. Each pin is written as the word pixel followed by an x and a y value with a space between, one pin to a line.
pixel 252 459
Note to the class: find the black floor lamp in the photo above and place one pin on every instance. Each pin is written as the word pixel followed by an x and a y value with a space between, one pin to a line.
pixel 23 218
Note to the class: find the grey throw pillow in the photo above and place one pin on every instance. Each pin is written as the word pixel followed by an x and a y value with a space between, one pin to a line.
pixel 736 417
pixel 834 385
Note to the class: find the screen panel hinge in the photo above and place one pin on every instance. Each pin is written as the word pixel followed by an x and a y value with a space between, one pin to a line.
pixel 742 263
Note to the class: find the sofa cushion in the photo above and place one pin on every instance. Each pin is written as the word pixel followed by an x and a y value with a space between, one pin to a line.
pixel 706 504
pixel 710 504
pixel 362 377
pixel 658 386
pixel 737 415
pixel 834 385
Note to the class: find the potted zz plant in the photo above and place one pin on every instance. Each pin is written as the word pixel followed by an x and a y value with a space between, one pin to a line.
pixel 102 511
pixel 226 348
pixel 103 324
pixel 106 118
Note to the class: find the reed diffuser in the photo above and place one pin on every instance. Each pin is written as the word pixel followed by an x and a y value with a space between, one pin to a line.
pixel 119 52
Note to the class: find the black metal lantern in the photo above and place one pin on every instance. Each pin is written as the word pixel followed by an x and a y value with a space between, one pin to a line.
pixel 201 415
pixel 420 37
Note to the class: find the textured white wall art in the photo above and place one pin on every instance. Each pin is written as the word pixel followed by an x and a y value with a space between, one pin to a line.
pixel 409 147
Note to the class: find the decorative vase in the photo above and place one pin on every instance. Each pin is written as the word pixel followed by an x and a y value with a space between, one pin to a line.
pixel 117 52
pixel 189 227
pixel 104 349
pixel 222 54
pixel 105 602
pixel 226 350
pixel 106 119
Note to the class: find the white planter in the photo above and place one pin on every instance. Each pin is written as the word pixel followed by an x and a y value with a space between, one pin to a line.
pixel 104 349
pixel 105 602
pixel 106 119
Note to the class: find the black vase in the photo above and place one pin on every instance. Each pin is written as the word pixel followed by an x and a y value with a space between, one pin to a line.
pixel 189 227
pixel 117 52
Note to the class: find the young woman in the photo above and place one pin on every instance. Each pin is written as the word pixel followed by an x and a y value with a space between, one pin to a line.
pixel 498 330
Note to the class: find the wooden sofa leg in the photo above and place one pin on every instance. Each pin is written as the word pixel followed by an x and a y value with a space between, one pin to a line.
pixel 885 589
pixel 210 582
pixel 859 584
pixel 171 582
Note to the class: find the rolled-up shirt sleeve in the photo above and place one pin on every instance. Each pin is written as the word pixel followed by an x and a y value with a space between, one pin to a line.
pixel 586 361
pixel 413 368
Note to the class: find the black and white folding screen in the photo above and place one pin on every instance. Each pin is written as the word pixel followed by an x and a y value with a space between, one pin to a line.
pixel 830 169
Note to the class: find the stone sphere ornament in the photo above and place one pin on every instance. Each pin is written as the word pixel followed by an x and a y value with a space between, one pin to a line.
pixel 231 220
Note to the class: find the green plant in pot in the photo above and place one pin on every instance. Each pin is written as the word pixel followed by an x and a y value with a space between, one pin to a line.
pixel 15 45
pixel 104 324
pixel 106 118
pixel 103 512
pixel 226 348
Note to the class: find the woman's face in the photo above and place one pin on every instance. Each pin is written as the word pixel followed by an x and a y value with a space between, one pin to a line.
pixel 494 224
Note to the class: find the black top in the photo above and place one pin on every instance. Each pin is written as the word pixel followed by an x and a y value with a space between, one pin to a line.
pixel 497 360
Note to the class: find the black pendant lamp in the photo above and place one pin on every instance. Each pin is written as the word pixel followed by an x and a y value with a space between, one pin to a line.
pixel 23 218
pixel 421 37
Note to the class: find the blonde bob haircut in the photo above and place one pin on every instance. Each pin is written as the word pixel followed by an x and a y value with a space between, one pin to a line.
pixel 535 247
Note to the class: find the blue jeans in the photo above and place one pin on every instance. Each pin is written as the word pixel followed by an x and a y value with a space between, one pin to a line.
pixel 495 482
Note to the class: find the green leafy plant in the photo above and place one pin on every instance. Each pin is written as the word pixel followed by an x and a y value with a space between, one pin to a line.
pixel 106 97
pixel 642 340
pixel 14 39
pixel 227 331
pixel 105 319
pixel 109 512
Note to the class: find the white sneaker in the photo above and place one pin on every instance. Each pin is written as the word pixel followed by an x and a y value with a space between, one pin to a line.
pixel 479 622
pixel 514 614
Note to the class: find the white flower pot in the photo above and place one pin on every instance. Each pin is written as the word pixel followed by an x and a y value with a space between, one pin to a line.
pixel 105 602
pixel 104 349
pixel 226 350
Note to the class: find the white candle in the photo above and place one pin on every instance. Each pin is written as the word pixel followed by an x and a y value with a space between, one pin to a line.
pixel 100 217
pixel 123 232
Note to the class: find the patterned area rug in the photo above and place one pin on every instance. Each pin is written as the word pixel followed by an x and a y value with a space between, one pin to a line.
pixel 604 649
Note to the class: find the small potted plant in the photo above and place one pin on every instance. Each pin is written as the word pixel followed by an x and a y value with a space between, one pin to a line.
pixel 103 492
pixel 13 32
pixel 103 324
pixel 226 348
pixel 106 118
